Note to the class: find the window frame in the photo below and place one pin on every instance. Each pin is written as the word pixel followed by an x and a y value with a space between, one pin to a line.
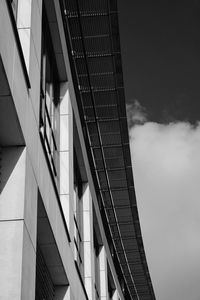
pixel 78 216
pixel 49 103
pixel 14 4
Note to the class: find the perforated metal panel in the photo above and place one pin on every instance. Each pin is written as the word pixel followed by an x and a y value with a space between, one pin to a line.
pixel 44 285
pixel 95 46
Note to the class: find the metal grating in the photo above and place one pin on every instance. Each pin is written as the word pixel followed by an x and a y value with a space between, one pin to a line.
pixel 44 286
pixel 93 30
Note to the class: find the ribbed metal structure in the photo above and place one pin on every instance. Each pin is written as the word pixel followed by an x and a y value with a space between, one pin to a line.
pixel 44 285
pixel 92 26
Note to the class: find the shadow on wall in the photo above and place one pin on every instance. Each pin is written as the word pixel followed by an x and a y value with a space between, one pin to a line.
pixel 11 164
pixel 10 130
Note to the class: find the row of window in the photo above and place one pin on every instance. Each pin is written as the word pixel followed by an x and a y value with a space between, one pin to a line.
pixel 50 126
pixel 49 95
pixel 49 102
pixel 50 131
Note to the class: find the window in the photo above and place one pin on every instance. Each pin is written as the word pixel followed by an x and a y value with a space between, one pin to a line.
pixel 49 105
pixel 97 245
pixel 78 216
pixel 96 267
pixel 111 283
pixel 14 4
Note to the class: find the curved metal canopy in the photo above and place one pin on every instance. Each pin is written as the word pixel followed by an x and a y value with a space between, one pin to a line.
pixel 93 30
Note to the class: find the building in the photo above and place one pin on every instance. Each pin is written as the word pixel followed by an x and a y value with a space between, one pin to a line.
pixel 69 223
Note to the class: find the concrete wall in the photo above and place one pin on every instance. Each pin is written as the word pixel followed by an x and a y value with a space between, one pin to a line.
pixel 88 243
pixel 25 170
pixel 18 217
pixel 66 158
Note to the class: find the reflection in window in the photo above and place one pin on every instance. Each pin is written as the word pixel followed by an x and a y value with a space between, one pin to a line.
pixel 14 4
pixel 111 283
pixel 49 106
pixel 96 267
pixel 78 216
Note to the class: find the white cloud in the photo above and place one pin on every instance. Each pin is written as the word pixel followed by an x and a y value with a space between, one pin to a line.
pixel 136 113
pixel 166 160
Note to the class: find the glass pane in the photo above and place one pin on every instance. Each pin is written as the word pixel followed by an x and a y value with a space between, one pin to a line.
pixel 14 4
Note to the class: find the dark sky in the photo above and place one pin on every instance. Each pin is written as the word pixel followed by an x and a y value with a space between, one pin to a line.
pixel 160 43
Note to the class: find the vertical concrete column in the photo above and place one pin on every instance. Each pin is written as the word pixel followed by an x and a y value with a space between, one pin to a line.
pixel 103 275
pixel 11 221
pixel 29 234
pixel 24 27
pixel 88 243
pixel 35 55
pixel 66 158
pixel 17 227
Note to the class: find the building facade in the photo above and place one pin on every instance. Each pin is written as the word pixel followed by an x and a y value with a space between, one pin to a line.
pixel 69 224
